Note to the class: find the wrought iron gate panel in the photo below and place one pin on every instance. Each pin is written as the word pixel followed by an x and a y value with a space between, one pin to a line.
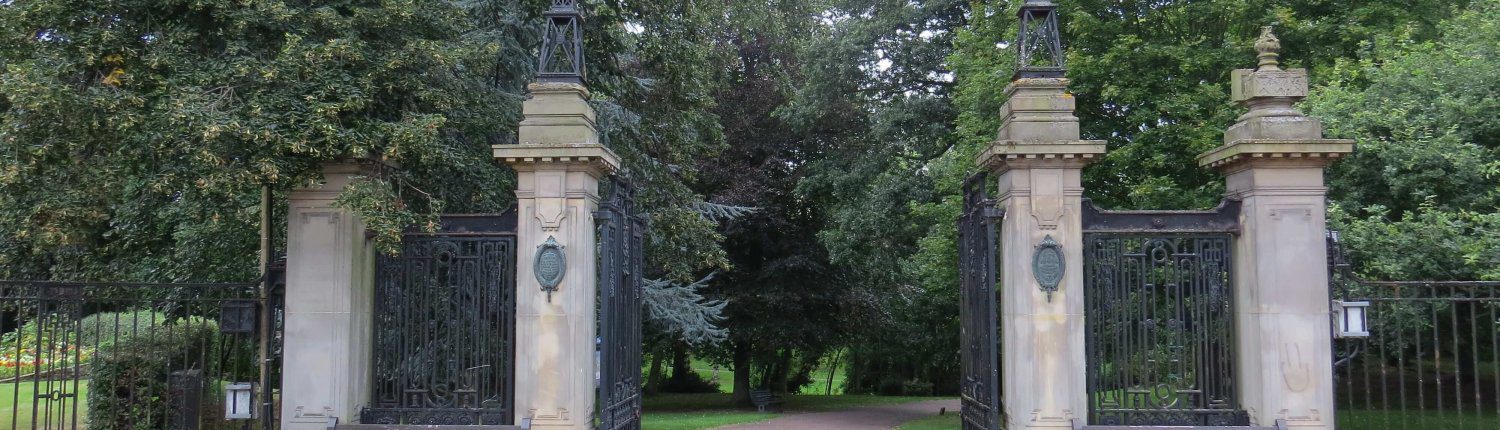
pixel 445 326
pixel 979 336
pixel 1161 325
pixel 621 254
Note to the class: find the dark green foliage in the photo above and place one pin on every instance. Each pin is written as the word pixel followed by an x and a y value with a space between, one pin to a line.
pixel 129 378
pixel 1420 197
pixel 135 135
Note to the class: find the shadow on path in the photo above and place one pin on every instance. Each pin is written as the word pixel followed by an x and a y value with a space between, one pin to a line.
pixel 884 417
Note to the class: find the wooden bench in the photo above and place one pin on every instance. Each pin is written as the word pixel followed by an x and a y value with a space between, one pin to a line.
pixel 765 400
pixel 525 424
pixel 1078 425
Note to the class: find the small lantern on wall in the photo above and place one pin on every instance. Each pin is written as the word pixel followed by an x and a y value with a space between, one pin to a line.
pixel 239 401
pixel 1351 319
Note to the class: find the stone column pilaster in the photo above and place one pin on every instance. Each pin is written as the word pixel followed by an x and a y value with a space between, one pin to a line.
pixel 558 164
pixel 329 297
pixel 1038 159
pixel 1273 160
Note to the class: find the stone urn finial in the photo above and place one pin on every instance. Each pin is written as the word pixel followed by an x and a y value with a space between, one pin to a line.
pixel 1269 49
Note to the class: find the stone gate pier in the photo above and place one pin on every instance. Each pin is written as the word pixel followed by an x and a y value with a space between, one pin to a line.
pixel 1273 161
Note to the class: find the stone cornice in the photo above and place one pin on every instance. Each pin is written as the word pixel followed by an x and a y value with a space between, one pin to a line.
pixel 1320 151
pixel 593 156
pixel 1004 154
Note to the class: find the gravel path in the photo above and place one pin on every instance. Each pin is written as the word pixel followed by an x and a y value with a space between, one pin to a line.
pixel 864 418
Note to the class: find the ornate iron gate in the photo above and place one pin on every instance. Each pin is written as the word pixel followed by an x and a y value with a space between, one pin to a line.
pixel 1160 332
pixel 445 326
pixel 621 234
pixel 979 336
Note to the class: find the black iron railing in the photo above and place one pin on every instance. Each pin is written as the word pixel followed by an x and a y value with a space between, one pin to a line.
pixel 1431 359
pixel 77 355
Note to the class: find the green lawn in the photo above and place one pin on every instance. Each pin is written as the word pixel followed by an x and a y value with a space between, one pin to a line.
pixel 699 420
pixel 702 411
pixel 819 376
pixel 18 415
pixel 1426 420
pixel 948 421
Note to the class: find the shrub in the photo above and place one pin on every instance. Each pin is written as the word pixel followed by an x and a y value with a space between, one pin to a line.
pixel 689 382
pixel 105 327
pixel 131 387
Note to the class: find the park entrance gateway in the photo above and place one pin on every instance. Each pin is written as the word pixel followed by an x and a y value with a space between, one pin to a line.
pixel 1145 318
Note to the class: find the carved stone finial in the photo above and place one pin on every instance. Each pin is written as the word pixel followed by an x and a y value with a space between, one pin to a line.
pixel 1269 49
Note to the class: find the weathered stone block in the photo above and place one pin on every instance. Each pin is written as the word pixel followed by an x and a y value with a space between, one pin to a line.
pixel 558 113
pixel 1039 130
pixel 1275 127
pixel 1246 84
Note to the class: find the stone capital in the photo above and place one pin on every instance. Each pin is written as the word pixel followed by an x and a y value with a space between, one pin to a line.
pixel 1247 153
pixel 1004 155
pixel 594 158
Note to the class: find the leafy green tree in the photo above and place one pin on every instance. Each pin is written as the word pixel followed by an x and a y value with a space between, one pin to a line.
pixel 135 135
pixel 1418 198
pixel 876 99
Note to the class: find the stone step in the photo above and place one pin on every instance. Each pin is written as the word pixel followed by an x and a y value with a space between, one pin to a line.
pixel 524 425
pixel 1077 425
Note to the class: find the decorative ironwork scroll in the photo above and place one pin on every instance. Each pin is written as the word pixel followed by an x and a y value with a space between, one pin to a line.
pixel 621 254
pixel 1039 46
pixel 979 337
pixel 562 44
pixel 444 349
pixel 1160 329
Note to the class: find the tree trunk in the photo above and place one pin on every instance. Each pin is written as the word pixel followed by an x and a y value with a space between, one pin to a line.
pixel 653 378
pixel 833 368
pixel 682 368
pixel 741 396
pixel 783 371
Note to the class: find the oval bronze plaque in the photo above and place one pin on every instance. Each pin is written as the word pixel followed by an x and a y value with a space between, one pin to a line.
pixel 550 265
pixel 1048 265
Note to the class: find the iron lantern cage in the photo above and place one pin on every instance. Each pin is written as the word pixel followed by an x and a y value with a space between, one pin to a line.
pixel 239 401
pixel 562 44
pixel 1351 319
pixel 1039 44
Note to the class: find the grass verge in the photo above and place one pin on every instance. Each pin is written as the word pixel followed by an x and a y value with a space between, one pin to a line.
pixel 19 414
pixel 703 411
pixel 947 421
